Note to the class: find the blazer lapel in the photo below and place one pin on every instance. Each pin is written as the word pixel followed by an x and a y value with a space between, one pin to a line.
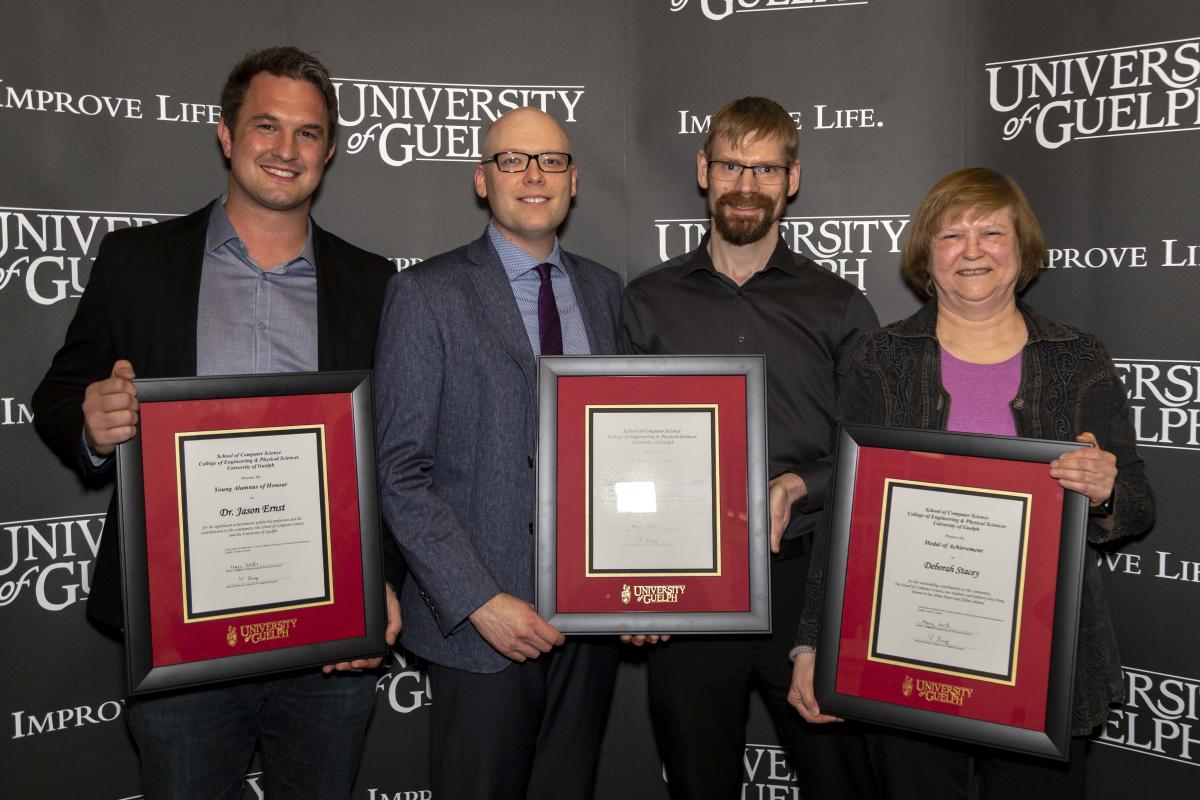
pixel 587 295
pixel 185 262
pixel 331 316
pixel 499 306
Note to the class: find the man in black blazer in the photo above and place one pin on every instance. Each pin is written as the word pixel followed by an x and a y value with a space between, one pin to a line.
pixel 519 713
pixel 247 284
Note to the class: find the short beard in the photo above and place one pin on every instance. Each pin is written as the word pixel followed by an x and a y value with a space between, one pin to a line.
pixel 737 230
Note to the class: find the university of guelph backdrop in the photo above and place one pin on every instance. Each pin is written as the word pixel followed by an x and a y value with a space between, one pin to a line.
pixel 108 114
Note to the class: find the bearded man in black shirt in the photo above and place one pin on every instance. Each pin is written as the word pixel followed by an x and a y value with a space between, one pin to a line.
pixel 743 292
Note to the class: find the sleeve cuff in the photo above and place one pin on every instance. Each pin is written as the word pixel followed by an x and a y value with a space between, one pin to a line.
pixel 94 462
pixel 798 649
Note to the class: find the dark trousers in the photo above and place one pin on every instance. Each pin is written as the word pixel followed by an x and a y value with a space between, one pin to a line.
pixel 914 767
pixel 309 728
pixel 700 699
pixel 531 730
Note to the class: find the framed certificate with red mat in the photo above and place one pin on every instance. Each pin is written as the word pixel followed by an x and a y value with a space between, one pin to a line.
pixel 952 587
pixel 249 527
pixel 652 494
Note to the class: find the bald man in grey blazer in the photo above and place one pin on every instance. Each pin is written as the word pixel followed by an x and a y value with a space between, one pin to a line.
pixel 519 710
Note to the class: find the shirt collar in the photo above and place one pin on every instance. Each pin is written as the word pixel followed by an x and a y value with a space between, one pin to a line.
pixel 781 258
pixel 221 232
pixel 515 260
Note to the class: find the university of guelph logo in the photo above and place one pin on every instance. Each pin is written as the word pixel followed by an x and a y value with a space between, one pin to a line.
pixel 626 594
pixel 1120 91
pixel 906 689
pixel 404 122
pixel 231 636
pixel 655 594
pixel 51 250
pixel 718 10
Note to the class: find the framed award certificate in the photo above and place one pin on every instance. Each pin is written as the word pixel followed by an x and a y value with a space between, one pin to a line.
pixel 952 587
pixel 249 527
pixel 652 494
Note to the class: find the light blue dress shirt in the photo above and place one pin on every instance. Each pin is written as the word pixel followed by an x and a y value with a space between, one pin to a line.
pixel 523 277
pixel 251 319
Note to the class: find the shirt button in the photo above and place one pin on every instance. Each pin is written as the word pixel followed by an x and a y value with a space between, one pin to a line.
pixel 1018 403
pixel 739 293
pixel 261 325
pixel 741 338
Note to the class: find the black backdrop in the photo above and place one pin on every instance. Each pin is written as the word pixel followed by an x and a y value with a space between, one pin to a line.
pixel 107 120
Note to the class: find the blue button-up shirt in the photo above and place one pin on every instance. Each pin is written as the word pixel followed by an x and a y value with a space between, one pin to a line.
pixel 253 319
pixel 523 277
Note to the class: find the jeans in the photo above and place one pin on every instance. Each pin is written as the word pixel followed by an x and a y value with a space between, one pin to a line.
pixel 309 727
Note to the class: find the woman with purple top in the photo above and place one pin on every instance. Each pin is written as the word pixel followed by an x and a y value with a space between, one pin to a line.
pixel 977 359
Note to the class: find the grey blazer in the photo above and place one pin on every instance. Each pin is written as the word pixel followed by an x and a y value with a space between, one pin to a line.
pixel 456 413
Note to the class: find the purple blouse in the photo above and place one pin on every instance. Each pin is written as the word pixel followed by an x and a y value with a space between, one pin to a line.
pixel 980 394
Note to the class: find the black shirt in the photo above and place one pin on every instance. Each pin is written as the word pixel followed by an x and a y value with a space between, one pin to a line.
pixel 803 318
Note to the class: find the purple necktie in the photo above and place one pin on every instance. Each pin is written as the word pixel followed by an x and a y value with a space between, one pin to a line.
pixel 549 327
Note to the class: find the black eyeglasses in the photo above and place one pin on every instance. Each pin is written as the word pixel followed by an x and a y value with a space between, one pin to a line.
pixel 763 173
pixel 511 161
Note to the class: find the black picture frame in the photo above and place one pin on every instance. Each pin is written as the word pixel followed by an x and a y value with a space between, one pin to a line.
pixel 143 676
pixel 1053 739
pixel 755 620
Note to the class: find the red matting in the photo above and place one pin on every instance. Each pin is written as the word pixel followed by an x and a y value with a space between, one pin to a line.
pixel 579 593
pixel 1021 705
pixel 177 642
